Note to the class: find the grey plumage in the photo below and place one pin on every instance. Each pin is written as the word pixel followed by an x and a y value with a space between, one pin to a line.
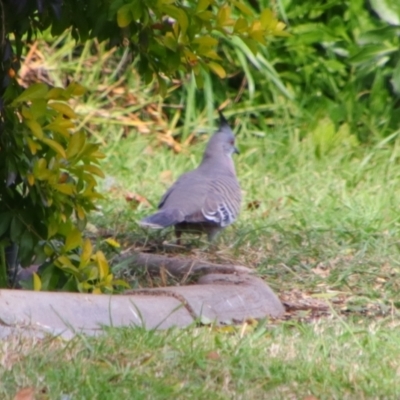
pixel 206 199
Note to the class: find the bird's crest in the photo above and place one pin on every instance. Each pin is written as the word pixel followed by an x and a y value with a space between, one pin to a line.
pixel 222 120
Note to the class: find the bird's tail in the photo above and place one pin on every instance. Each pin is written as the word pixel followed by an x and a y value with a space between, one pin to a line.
pixel 162 219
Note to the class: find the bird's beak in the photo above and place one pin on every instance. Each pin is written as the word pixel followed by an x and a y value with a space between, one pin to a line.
pixel 236 151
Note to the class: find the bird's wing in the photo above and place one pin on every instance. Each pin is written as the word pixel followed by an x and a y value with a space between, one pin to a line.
pixel 203 199
pixel 179 186
pixel 187 195
pixel 222 204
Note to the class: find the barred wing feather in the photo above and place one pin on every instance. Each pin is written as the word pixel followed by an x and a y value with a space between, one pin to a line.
pixel 223 202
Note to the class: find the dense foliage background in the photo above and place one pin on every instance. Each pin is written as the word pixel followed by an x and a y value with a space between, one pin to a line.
pixel 341 62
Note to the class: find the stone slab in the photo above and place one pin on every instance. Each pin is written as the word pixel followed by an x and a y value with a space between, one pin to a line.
pixel 218 298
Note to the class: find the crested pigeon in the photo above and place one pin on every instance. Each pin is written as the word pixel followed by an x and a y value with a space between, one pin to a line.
pixel 206 199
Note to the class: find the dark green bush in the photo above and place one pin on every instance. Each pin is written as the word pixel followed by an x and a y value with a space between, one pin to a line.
pixel 48 168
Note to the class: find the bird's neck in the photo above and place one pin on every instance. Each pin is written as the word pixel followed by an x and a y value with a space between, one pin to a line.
pixel 221 165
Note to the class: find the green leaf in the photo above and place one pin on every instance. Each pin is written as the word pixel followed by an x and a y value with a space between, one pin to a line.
pixel 371 53
pixel 17 228
pixel 257 35
pixel 113 243
pixel 251 44
pixel 396 78
pixel 179 15
pixel 80 212
pixel 33 145
pixel 40 170
pixel 162 87
pixel 55 146
pixel 71 285
pixel 223 16
pixel 199 80
pixel 5 220
pixel 202 5
pixel 120 282
pixel 124 16
pixel 65 263
pixel 89 148
pixel 217 69
pixel 37 283
pixel 35 91
pixel 313 33
pixel 73 240
pixel 26 245
pixel 102 264
pixel 86 253
pixel 246 10
pixel 94 169
pixel 388 10
pixel 64 109
pixel 57 94
pixel 66 188
pixel 76 143
pixel 61 125
pixel 35 128
pixel 52 228
pixel 206 41
pixel 241 25
pixel 267 19
pixel 50 277
pixel 376 36
pixel 75 89
pixel 206 16
pixel 210 54
pixel 38 108
pixel 27 113
pixel 169 41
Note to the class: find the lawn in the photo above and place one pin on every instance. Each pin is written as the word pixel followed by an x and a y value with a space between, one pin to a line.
pixel 319 223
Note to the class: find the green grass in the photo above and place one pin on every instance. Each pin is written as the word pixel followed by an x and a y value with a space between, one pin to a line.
pixel 330 359
pixel 325 228
pixel 335 213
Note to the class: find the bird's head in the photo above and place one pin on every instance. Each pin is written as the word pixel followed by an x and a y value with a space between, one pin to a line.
pixel 223 141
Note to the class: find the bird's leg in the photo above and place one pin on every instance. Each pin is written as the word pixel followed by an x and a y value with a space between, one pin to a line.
pixel 212 234
pixel 178 234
